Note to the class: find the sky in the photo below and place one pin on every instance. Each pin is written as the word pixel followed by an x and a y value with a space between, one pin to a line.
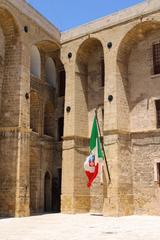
pixel 66 14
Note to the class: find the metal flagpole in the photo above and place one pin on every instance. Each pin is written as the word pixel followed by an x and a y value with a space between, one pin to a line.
pixel 105 158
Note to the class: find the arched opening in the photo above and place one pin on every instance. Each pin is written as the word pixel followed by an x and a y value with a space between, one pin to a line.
pixel 139 87
pixel 35 65
pixel 89 95
pixel 50 70
pixel 47 193
pixel 34 112
pixel 89 83
pixel 136 66
pixel 49 119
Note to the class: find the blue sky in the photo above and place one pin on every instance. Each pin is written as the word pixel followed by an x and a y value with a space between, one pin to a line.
pixel 66 14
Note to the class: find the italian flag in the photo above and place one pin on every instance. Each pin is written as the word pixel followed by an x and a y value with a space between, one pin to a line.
pixel 96 157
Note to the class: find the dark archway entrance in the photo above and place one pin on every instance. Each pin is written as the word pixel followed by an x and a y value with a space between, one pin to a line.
pixel 47 193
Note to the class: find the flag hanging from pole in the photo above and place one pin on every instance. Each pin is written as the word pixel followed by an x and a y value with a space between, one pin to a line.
pixel 96 157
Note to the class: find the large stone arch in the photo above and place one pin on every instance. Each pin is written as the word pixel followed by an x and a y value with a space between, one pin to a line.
pixel 89 95
pixel 129 43
pixel 132 37
pixel 89 86
pixel 137 112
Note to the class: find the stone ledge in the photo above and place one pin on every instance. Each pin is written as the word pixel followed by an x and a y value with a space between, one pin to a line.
pixel 131 133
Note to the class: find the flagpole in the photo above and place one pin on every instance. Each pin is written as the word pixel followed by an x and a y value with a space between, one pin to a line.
pixel 105 158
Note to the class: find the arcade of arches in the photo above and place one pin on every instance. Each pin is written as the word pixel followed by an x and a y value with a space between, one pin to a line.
pixel 50 85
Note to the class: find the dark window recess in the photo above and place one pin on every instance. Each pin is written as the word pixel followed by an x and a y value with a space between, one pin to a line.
pixel 103 114
pixel 157 102
pixel 158 172
pixel 60 128
pixel 62 77
pixel 102 72
pixel 156 58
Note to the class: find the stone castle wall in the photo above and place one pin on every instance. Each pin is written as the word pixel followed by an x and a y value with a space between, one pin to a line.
pixel 129 79
pixel 32 110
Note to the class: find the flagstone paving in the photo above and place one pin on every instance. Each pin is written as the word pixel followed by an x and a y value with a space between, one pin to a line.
pixel 80 227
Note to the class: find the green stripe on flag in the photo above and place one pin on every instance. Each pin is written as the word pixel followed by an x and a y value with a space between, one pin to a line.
pixel 95 140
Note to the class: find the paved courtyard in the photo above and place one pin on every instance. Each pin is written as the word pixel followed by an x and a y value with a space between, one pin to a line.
pixel 80 227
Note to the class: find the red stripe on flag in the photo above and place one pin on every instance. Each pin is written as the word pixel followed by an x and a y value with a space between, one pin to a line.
pixel 91 176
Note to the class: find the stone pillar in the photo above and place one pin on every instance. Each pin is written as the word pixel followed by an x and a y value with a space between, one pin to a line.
pixel 75 195
pixel 14 133
pixel 119 199
pixel 110 137
pixel 23 155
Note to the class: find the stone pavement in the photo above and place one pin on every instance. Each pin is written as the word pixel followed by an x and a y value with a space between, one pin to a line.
pixel 80 227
